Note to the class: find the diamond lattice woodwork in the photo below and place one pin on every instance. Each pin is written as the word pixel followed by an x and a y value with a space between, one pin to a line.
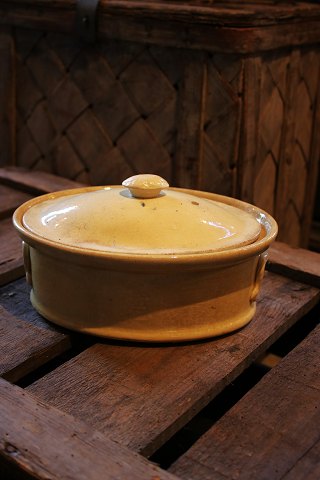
pixel 245 126
pixel 95 115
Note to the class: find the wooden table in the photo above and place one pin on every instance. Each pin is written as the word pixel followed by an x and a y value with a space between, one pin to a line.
pixel 245 405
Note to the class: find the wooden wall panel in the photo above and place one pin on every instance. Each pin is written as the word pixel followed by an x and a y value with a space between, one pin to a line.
pixel 190 121
pixel 222 124
pixel 91 119
pixel 296 186
pixel 280 137
pixel 271 122
pixel 7 97
pixel 249 135
pixel 311 67
pixel 245 126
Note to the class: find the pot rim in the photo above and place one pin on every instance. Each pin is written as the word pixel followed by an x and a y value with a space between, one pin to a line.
pixel 268 224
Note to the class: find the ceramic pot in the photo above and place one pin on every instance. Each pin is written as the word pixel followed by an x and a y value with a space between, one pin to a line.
pixel 143 261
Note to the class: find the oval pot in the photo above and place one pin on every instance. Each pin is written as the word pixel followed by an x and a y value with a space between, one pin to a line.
pixel 156 298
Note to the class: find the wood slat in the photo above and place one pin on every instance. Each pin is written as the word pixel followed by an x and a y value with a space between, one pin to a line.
pixel 253 11
pixel 250 136
pixel 72 449
pixel 297 263
pixel 17 185
pixel 295 146
pixel 286 150
pixel 11 262
pixel 10 199
pixel 157 389
pixel 191 115
pixel 307 467
pixel 7 97
pixel 25 347
pixel 34 182
pixel 311 194
pixel 273 432
pixel 221 125
pixel 14 297
pixel 234 28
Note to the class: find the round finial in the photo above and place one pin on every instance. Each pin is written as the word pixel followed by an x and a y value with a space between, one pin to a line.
pixel 145 186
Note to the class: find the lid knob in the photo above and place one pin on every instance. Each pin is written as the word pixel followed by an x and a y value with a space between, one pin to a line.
pixel 145 186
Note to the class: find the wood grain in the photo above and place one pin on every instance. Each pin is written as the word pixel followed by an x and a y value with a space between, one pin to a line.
pixel 25 347
pixel 219 26
pixel 297 263
pixel 143 116
pixel 7 97
pixel 34 182
pixel 157 389
pixel 10 199
pixel 218 157
pixel 14 297
pixel 307 467
pixel 285 406
pixel 273 116
pixel 11 262
pixel 189 148
pixel 17 186
pixel 289 228
pixel 250 130
pixel 73 451
pixel 313 170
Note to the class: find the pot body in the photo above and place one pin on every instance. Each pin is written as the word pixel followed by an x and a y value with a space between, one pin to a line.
pixel 155 306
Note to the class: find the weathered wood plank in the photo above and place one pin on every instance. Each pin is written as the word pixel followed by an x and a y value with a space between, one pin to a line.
pixel 289 227
pixel 191 114
pixel 297 263
pixel 17 186
pixel 221 27
pixel 313 169
pixel 11 262
pixel 221 129
pixel 7 97
pixel 72 449
pixel 307 467
pixel 271 124
pixel 10 199
pixel 25 347
pixel 270 431
pixel 157 389
pixel 14 297
pixel 250 131
pixel 34 182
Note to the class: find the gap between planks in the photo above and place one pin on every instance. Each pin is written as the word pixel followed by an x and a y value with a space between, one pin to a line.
pixel 272 432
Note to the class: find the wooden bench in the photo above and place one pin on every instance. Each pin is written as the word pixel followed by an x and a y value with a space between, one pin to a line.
pixel 79 407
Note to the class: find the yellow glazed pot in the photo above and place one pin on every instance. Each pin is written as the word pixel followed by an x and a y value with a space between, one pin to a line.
pixel 143 261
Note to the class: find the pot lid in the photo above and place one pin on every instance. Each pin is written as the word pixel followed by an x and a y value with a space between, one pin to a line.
pixel 143 216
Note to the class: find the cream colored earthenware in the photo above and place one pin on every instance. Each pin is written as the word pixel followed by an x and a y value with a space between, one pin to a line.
pixel 143 261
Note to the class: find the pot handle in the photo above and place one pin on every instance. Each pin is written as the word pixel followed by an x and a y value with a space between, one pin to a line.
pixel 27 262
pixel 259 276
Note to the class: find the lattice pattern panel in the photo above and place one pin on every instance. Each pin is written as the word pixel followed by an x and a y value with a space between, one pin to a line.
pixel 222 124
pixel 288 87
pixel 96 115
pixel 297 170
pixel 270 130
